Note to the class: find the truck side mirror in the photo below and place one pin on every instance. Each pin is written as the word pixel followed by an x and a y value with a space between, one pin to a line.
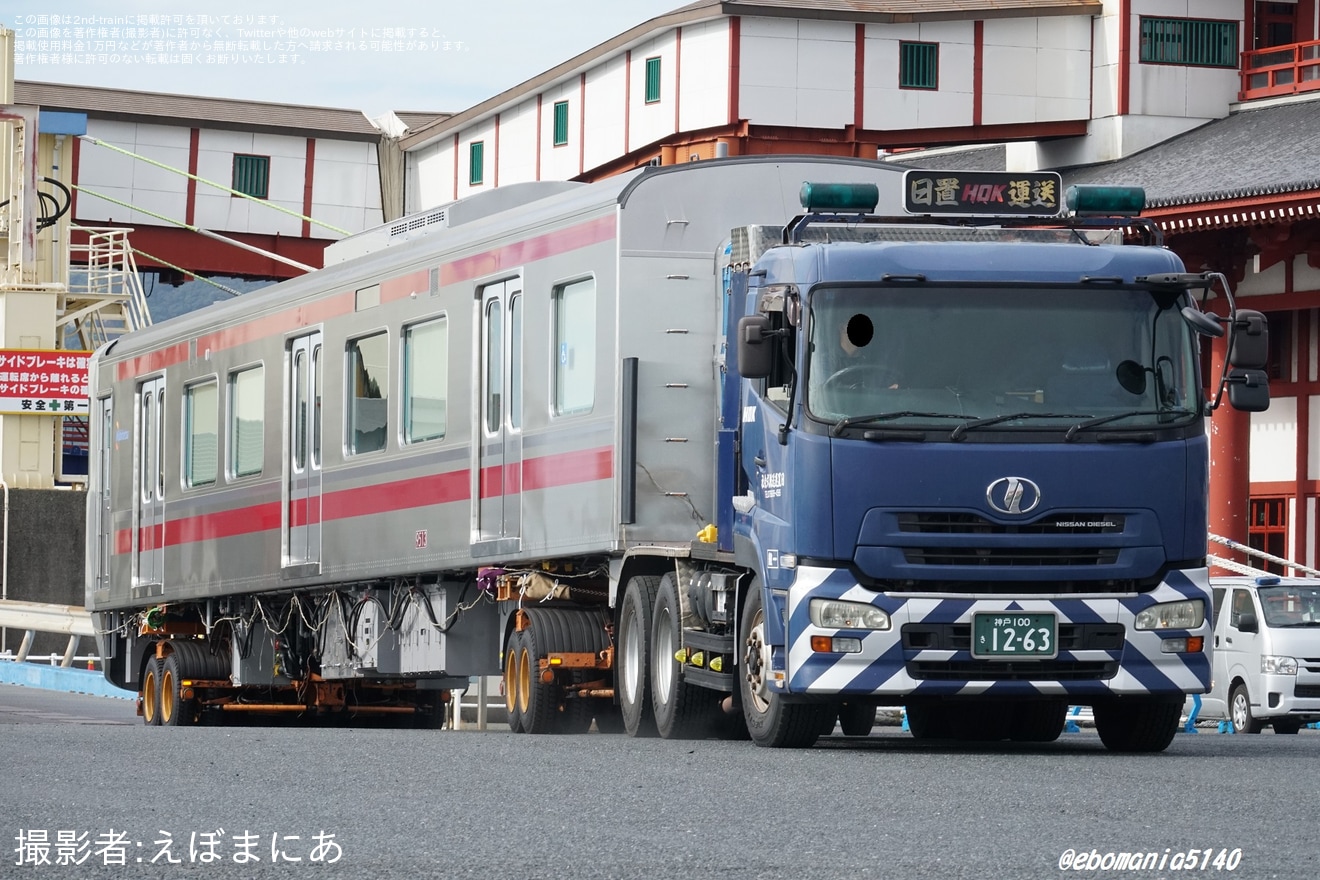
pixel 1249 390
pixel 1251 341
pixel 1247 623
pixel 756 347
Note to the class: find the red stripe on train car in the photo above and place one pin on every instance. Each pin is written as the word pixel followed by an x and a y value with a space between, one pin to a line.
pixel 568 468
pixel 398 495
pixel 227 524
pixel 405 285
pixel 536 248
pixel 279 323
pixel 153 361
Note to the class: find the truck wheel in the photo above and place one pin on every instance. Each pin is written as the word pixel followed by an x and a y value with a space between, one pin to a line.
pixel 1239 710
pixel 1138 724
pixel 856 719
pixel 1286 726
pixel 541 699
pixel 632 657
pixel 172 710
pixel 771 721
pixel 682 710
pixel 828 719
pixel 151 692
pixel 1038 722
pixel 513 685
pixel 930 721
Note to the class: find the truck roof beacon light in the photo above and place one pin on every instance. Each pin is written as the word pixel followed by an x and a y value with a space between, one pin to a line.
pixel 1122 201
pixel 860 198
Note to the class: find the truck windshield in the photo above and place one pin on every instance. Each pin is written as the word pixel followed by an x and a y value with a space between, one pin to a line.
pixel 1289 605
pixel 1103 358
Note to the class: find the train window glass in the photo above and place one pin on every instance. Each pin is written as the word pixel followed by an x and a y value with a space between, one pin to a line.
pixel 316 407
pixel 299 451
pixel 425 380
pixel 369 384
pixel 147 445
pixel 247 421
pixel 575 346
pixel 515 362
pixel 201 433
pixel 494 364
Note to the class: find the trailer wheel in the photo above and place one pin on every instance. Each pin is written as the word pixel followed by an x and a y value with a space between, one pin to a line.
pixel 682 710
pixel 514 702
pixel 856 719
pixel 1138 724
pixel 771 721
pixel 151 692
pixel 172 710
pixel 633 655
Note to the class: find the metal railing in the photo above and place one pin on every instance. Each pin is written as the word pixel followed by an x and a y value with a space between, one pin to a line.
pixel 34 617
pixel 1280 70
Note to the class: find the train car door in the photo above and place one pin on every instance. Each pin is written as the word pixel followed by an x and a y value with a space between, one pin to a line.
pixel 149 529
pixel 497 432
pixel 302 465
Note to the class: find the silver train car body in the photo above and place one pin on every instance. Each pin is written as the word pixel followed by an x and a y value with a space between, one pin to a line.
pixel 393 429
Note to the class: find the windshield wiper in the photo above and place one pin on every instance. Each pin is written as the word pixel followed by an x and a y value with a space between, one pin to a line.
pixel 1091 423
pixel 958 432
pixel 850 421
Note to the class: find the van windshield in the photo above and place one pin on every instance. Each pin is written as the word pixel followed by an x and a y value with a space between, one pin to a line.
pixel 1290 605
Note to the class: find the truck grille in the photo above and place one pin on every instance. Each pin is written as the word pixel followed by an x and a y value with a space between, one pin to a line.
pixel 1012 556
pixel 1030 670
pixel 971 524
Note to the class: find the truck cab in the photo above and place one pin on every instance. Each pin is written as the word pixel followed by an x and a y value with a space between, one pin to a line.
pixel 1266 666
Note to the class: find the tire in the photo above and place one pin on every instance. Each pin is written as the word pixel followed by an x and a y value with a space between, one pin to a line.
pixel 682 710
pixel 1038 722
pixel 151 692
pixel 856 719
pixel 1286 726
pixel 1138 724
pixel 772 722
pixel 524 674
pixel 513 702
pixel 1239 711
pixel 609 719
pixel 541 707
pixel 828 719
pixel 930 721
pixel 173 709
pixel 632 657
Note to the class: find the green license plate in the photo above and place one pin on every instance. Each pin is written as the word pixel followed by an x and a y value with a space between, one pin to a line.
pixel 1014 634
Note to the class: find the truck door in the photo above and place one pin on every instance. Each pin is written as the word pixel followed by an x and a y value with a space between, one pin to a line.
pixel 149 525
pixel 302 465
pixel 497 432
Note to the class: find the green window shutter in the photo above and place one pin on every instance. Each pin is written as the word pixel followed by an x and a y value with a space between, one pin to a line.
pixel 252 175
pixel 652 80
pixel 1189 41
pixel 476 162
pixel 919 65
pixel 561 123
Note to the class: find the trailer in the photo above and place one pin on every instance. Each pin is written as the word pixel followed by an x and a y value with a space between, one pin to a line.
pixel 602 440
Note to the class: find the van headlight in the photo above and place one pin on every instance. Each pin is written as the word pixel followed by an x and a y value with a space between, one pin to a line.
pixel 1278 665
pixel 1187 614
pixel 833 614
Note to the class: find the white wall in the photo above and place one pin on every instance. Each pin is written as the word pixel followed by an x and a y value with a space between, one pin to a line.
pixel 518 143
pixel 1036 70
pixel 484 132
pixel 345 187
pixel 562 162
pixel 1274 441
pixel 605 96
pixel 430 173
pixel 1176 90
pixel 650 122
pixel 704 91
pixel 796 72
pixel 130 180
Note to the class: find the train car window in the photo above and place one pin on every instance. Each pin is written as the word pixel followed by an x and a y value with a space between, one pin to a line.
pixel 369 383
pixel 247 421
pixel 425 380
pixel 201 435
pixel 316 406
pixel 300 407
pixel 494 364
pixel 515 362
pixel 575 347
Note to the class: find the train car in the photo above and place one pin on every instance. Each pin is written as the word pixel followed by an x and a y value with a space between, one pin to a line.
pixel 348 493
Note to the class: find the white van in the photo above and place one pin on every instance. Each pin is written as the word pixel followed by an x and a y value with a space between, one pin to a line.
pixel 1266 657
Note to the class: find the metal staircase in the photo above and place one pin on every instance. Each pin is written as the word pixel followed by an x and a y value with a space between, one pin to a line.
pixel 105 299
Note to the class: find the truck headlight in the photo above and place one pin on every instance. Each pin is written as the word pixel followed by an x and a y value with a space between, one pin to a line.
pixel 1278 665
pixel 1187 614
pixel 833 614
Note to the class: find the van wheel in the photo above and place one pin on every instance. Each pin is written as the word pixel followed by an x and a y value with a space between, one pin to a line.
pixel 1287 726
pixel 1239 710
